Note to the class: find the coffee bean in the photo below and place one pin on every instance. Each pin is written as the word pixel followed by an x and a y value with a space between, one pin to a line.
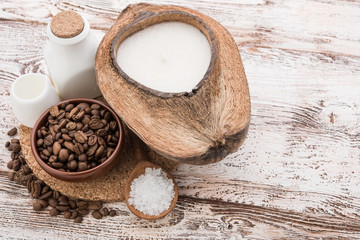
pixel 54 111
pixel 46 195
pixel 82 157
pixel 71 126
pixel 16 147
pixel 81 137
pixel 56 194
pixel 73 111
pixel 63 198
pixel 48 140
pixel 78 219
pixel 96 124
pixel 96 214
pixel 71 157
pixel 99 152
pixel 91 151
pixel 10 164
pixel 12 132
pixel 69 107
pixel 52 158
pixel 95 112
pixel 28 185
pixel 54 212
pixel 62 208
pixel 92 140
pixel 45 190
pixel 36 189
pixel 95 106
pixel 63 203
pixel 67 214
pixel 69 145
pixel 72 204
pixel 104 212
pixel 80 115
pixel 82 166
pixel 43 203
pixel 56 148
pixel 95 205
pixel 61 115
pixel 7 144
pixel 57 165
pixel 37 206
pixel 11 176
pixel 46 152
pixel 112 213
pixel 107 116
pixel 22 160
pixel 26 169
pixel 78 149
pixel 72 165
pixel 74 214
pixel 113 125
pixel 53 202
pixel 63 155
pixel 82 204
pixel 16 165
pixel 84 212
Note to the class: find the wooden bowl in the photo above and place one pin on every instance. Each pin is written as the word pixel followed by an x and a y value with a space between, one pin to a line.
pixel 138 170
pixel 86 175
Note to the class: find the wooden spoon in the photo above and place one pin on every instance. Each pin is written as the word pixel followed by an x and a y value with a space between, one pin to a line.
pixel 139 152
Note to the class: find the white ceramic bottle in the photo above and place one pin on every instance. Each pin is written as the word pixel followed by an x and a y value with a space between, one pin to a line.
pixel 70 56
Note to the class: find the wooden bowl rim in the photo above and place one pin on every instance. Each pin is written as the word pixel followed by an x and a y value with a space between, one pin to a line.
pixel 138 170
pixel 86 175
pixel 146 19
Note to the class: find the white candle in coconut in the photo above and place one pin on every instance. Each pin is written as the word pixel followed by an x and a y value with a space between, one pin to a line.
pixel 168 57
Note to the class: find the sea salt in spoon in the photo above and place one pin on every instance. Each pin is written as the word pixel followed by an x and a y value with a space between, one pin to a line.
pixel 139 169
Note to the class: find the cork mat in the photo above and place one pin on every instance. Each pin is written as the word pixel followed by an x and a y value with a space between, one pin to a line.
pixel 108 188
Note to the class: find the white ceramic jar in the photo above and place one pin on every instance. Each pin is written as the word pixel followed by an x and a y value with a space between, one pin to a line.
pixel 70 60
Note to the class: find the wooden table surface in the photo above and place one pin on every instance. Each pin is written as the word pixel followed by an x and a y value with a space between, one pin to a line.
pixel 296 176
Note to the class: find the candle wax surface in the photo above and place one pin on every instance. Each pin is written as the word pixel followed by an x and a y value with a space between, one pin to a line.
pixel 169 57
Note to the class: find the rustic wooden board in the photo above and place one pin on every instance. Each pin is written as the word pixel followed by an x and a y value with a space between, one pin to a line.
pixel 297 175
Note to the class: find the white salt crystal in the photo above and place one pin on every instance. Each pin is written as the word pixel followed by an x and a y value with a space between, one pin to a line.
pixel 151 193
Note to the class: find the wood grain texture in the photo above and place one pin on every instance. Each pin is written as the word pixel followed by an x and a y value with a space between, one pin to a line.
pixel 296 176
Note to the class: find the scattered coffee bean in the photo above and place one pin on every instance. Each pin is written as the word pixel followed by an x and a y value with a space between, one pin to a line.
pixel 84 212
pixel 38 189
pixel 16 147
pixel 54 212
pixel 104 212
pixel 12 132
pixel 94 205
pixel 53 202
pixel 78 219
pixel 10 164
pixel 11 176
pixel 96 214
pixel 43 203
pixel 112 213
pixel 37 206
pixel 74 214
pixel 62 208
pixel 67 214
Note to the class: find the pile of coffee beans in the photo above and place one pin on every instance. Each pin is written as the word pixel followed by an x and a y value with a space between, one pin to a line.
pixel 46 197
pixel 77 137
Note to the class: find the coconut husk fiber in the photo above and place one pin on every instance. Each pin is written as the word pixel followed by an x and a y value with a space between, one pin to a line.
pixel 201 126
pixel 108 188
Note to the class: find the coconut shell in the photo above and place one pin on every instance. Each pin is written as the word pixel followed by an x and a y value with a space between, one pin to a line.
pixel 197 127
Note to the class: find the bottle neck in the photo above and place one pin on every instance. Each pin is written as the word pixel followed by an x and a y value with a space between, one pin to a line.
pixel 69 41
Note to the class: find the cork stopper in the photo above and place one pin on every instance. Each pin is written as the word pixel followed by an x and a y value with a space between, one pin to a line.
pixel 67 24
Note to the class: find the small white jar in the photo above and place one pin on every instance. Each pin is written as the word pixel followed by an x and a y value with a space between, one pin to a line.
pixel 31 95
pixel 71 58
